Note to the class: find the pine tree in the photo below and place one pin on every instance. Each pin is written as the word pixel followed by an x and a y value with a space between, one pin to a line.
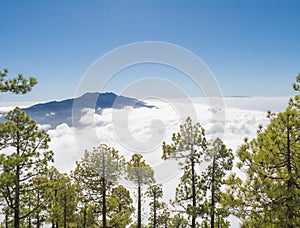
pixel 37 198
pixel 188 146
pixel 86 215
pixel 178 221
pixel 140 173
pixel 98 172
pixel 295 101
pixel 120 207
pixel 17 85
pixel 220 160
pixel 157 208
pixel 270 194
pixel 86 211
pixel 27 157
pixel 63 198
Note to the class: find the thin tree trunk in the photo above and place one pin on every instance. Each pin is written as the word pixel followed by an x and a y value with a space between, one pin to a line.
pixel 290 180
pixel 38 225
pixel 29 222
pixel 212 219
pixel 139 225
pixel 38 214
pixel 17 202
pixel 65 211
pixel 84 216
pixel 103 192
pixel 104 207
pixel 17 187
pixel 54 223
pixel 6 221
pixel 154 210
pixel 193 192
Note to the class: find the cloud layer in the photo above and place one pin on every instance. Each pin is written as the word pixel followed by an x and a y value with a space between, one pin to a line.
pixel 143 130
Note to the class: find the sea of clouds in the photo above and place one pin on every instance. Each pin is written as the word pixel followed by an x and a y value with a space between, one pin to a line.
pixel 142 130
pixel 242 117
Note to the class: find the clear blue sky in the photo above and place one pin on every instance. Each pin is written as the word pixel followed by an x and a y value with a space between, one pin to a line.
pixel 252 47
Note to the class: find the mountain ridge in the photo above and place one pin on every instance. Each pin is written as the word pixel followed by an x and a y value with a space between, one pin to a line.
pixel 68 111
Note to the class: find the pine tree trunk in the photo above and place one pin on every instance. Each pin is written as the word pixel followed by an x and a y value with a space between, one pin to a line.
pixel 84 216
pixel 65 211
pixel 212 219
pixel 104 207
pixel 290 180
pixel 139 225
pixel 6 221
pixel 38 214
pixel 54 223
pixel 103 192
pixel 17 200
pixel 38 225
pixel 193 193
pixel 154 210
pixel 17 186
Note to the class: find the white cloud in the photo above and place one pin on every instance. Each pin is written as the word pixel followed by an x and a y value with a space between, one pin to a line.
pixel 143 130
pixel 44 126
pixel 51 114
pixel 63 143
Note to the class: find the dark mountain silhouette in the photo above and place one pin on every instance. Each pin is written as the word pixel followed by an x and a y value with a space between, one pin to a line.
pixel 69 111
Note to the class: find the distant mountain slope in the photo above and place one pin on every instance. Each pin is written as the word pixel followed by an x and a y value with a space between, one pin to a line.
pixel 58 112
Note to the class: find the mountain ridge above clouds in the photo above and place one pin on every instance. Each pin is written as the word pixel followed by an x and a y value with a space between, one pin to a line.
pixel 54 113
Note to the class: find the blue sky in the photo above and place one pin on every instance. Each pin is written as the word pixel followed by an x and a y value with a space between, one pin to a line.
pixel 252 47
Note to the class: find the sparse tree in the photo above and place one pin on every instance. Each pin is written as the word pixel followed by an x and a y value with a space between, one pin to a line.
pixel 295 101
pixel 63 199
pixel 270 194
pixel 86 215
pixel 178 221
pixel 37 198
pixel 220 161
pixel 98 172
pixel 140 173
pixel 155 192
pixel 120 206
pixel 26 158
pixel 188 146
pixel 17 85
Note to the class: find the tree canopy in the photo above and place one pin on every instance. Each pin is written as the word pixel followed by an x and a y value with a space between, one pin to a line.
pixel 16 85
pixel 269 196
pixel 24 163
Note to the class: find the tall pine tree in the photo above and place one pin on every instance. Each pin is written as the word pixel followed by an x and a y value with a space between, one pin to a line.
pixel 269 196
pixel 120 207
pixel 188 146
pixel 27 157
pixel 63 197
pixel 98 173
pixel 140 173
pixel 220 161
pixel 155 192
